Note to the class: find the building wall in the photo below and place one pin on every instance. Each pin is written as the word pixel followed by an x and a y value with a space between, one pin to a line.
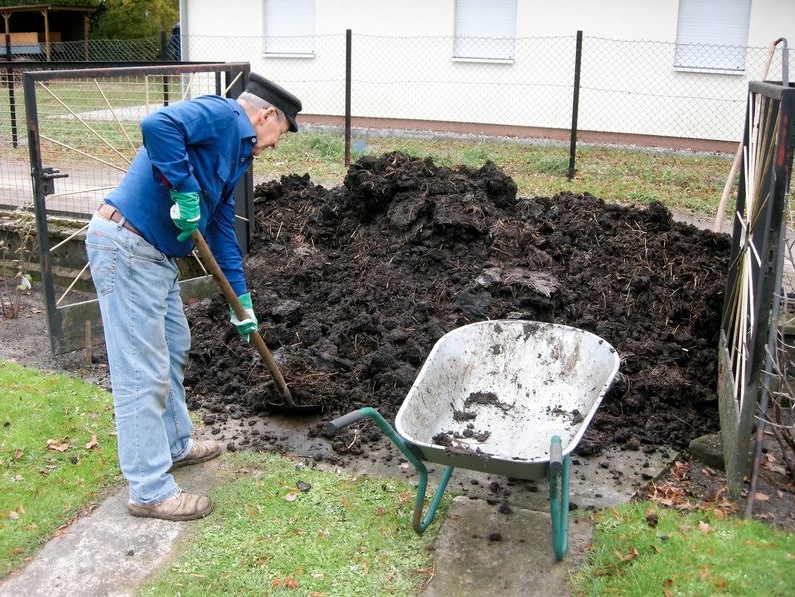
pixel 403 65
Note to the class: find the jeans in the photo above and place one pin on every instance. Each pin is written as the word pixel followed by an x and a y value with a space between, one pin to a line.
pixel 147 340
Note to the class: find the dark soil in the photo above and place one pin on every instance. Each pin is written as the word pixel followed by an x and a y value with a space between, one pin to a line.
pixel 353 286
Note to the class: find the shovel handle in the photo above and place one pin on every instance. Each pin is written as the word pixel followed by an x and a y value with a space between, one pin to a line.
pixel 255 337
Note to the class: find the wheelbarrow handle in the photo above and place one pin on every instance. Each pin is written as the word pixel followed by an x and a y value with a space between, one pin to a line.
pixel 339 423
pixel 418 522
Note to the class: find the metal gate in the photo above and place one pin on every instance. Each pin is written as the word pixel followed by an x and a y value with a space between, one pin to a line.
pixel 83 131
pixel 750 312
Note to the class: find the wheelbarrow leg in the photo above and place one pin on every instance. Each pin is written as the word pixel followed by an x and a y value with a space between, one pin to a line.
pixel 418 522
pixel 559 472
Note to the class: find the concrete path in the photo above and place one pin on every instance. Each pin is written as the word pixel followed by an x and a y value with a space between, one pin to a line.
pixel 481 550
pixel 108 552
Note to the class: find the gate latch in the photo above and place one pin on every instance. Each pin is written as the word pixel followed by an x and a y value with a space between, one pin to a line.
pixel 48 176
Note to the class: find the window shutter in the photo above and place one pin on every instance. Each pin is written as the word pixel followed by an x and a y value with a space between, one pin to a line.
pixel 712 34
pixel 485 30
pixel 289 26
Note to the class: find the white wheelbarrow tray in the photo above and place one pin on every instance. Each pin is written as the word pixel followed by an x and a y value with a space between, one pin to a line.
pixel 508 397
pixel 501 390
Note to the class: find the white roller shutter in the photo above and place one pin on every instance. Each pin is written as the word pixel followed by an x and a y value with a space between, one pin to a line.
pixel 289 26
pixel 712 34
pixel 485 30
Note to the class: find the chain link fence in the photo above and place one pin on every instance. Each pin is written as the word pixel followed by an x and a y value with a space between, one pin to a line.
pixel 626 88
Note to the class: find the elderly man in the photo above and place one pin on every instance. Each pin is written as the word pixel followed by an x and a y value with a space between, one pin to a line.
pixel 181 180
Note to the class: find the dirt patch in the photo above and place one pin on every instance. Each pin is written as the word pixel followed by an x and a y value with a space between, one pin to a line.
pixel 355 284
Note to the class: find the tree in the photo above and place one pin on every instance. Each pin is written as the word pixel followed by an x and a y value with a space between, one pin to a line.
pixel 133 19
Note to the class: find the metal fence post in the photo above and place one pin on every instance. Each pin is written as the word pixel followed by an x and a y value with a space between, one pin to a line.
pixel 348 49
pixel 12 102
pixel 575 105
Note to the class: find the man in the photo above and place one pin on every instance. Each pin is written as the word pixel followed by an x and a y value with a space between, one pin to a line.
pixel 181 180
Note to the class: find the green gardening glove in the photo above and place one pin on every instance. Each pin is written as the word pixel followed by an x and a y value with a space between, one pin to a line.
pixel 249 325
pixel 185 213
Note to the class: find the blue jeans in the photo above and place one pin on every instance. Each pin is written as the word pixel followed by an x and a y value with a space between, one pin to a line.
pixel 147 340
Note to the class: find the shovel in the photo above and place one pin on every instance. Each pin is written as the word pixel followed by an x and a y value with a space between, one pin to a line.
pixel 254 338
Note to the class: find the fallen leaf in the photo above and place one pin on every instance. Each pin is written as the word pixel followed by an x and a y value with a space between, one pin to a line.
pixel 704 527
pixel 761 497
pixel 721 584
pixel 633 553
pixel 13 515
pixel 93 443
pixel 18 454
pixel 291 497
pixel 285 583
pixel 56 446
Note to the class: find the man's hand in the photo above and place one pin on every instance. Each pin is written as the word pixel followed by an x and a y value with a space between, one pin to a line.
pixel 249 325
pixel 185 213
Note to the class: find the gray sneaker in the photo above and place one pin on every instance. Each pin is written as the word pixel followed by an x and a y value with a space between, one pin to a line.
pixel 201 451
pixel 181 506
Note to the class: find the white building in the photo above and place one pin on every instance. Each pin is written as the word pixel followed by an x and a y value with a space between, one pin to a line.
pixel 673 68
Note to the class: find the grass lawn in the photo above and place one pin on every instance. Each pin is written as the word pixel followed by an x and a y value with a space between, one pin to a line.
pixel 641 549
pixel 681 181
pixel 283 527
pixel 58 454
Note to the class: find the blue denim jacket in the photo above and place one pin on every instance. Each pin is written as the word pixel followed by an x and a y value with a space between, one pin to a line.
pixel 200 145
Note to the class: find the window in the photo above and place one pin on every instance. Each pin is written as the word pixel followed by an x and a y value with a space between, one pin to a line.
pixel 485 30
pixel 289 26
pixel 712 34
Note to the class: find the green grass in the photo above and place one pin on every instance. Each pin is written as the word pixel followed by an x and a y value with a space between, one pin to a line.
pixel 684 554
pixel 347 535
pixel 682 181
pixel 58 455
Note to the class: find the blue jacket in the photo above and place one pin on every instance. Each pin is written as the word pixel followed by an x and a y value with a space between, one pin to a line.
pixel 203 145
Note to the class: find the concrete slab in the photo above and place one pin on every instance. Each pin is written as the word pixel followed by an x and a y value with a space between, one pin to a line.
pixel 480 552
pixel 109 552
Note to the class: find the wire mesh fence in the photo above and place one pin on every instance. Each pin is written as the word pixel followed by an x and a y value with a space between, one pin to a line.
pixel 88 129
pixel 83 133
pixel 625 87
pixel 96 50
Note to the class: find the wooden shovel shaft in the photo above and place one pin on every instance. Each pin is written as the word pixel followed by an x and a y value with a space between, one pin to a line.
pixel 255 338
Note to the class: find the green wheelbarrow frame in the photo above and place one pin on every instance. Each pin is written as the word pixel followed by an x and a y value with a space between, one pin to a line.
pixel 559 471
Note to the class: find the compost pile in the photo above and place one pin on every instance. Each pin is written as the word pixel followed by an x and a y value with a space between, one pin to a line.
pixel 353 286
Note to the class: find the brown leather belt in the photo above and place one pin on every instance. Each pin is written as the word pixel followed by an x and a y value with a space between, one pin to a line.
pixel 107 211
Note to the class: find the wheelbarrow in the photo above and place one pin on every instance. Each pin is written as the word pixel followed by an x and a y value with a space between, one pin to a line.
pixel 505 397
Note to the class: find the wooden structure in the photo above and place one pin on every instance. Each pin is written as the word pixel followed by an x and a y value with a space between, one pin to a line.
pixel 31 30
